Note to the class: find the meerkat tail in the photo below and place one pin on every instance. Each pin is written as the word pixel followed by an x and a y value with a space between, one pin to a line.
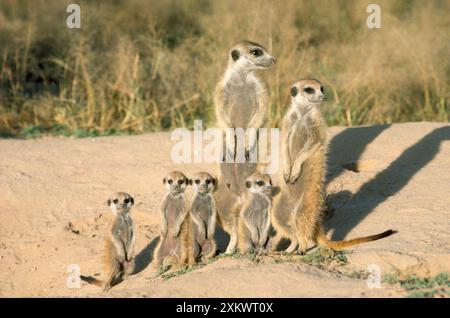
pixel 91 280
pixel 338 245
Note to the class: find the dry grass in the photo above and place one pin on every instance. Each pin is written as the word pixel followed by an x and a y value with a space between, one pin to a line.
pixel 152 65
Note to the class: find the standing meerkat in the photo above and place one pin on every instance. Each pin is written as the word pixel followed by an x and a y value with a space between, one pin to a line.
pixel 173 248
pixel 255 216
pixel 241 101
pixel 298 211
pixel 240 98
pixel 119 243
pixel 204 213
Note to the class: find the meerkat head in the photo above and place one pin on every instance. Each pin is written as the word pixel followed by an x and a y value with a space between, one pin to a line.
pixel 259 183
pixel 120 202
pixel 249 56
pixel 176 182
pixel 204 182
pixel 307 92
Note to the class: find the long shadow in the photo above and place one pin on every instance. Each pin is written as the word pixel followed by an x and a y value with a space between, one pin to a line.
pixel 391 180
pixel 348 146
pixel 145 256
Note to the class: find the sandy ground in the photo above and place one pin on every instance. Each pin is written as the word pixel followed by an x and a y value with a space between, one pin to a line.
pixel 52 212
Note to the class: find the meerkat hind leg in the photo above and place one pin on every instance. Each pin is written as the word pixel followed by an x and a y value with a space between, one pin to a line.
pixel 114 272
pixel 128 268
pixel 293 247
pixel 232 244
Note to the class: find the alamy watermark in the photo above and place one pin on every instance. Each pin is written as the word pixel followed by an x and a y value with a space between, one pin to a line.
pixel 374 19
pixel 73 21
pixel 215 145
pixel 374 278
pixel 73 279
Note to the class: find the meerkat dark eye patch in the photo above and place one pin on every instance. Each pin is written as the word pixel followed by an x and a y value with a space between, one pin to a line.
pixel 248 184
pixel 180 181
pixel 308 90
pixel 115 201
pixel 208 181
pixel 170 181
pixel 294 91
pixel 260 183
pixel 197 181
pixel 235 55
pixel 256 52
pixel 126 201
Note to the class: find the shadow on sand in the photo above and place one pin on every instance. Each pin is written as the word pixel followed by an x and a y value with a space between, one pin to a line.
pixel 387 182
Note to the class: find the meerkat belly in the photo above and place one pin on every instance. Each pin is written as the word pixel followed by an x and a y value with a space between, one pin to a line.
pixel 204 209
pixel 121 229
pixel 174 209
pixel 260 220
pixel 242 104
pixel 309 187
pixel 297 140
pixel 260 213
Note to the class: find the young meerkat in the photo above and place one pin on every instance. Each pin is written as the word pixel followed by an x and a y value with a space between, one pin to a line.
pixel 204 213
pixel 173 248
pixel 241 101
pixel 255 216
pixel 119 243
pixel 298 211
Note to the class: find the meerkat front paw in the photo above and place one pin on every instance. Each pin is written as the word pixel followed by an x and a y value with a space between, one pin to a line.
pixel 295 177
pixel 287 177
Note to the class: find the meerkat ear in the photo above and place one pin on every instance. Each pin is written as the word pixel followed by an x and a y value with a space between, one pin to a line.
pixel 235 55
pixel 214 181
pixel 275 191
pixel 132 200
pixel 108 203
pixel 248 184
pixel 164 181
pixel 294 91
pixel 189 181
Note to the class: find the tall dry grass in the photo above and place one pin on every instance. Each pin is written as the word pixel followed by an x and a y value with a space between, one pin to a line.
pixel 152 65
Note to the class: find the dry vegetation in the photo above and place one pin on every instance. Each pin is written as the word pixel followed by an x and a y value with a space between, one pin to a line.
pixel 152 65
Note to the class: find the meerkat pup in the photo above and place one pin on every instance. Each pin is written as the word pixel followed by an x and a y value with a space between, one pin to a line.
pixel 175 233
pixel 119 243
pixel 204 213
pixel 298 211
pixel 255 216
pixel 241 101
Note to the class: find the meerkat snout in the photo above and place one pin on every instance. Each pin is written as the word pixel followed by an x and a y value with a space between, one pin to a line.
pixel 250 55
pixel 204 183
pixel 307 92
pixel 120 202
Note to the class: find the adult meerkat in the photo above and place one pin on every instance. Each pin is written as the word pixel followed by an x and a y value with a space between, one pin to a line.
pixel 241 101
pixel 255 216
pixel 298 211
pixel 173 248
pixel 119 243
pixel 204 213
pixel 240 98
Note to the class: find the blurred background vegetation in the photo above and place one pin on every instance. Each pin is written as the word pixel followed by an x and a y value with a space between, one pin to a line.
pixel 152 65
